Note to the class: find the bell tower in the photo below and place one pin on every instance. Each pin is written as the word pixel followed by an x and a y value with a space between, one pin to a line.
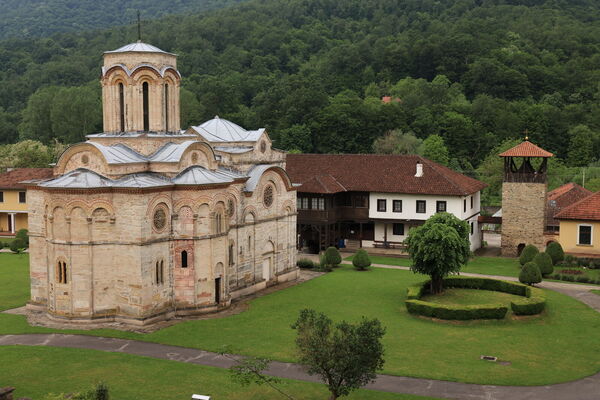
pixel 140 90
pixel 524 190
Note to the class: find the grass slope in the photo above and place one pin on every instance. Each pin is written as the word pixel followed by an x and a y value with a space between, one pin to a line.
pixel 554 347
pixel 133 377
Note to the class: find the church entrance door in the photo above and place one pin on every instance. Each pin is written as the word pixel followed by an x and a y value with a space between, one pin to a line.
pixel 218 290
pixel 267 268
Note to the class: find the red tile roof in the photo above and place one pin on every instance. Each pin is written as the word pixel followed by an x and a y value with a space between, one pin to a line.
pixel 526 149
pixel 12 179
pixel 587 209
pixel 334 173
pixel 561 198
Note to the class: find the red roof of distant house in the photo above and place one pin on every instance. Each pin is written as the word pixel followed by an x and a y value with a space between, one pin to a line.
pixel 335 173
pixel 526 149
pixel 587 209
pixel 561 198
pixel 12 179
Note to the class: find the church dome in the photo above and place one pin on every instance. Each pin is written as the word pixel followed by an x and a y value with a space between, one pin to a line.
pixel 138 47
pixel 222 130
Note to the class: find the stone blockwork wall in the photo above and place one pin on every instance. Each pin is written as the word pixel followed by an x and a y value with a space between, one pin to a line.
pixel 523 211
pixel 114 253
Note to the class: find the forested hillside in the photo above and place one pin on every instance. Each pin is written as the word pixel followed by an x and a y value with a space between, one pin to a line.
pixel 475 72
pixel 36 18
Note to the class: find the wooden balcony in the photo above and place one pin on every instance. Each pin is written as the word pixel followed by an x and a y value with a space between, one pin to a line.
pixel 334 215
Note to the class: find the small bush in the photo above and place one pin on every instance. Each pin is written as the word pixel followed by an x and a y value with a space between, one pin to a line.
pixel 570 261
pixel 595 264
pixel 544 263
pixel 441 311
pixel 322 266
pixel 555 251
pixel 528 253
pixel 17 246
pixel 583 279
pixel 332 257
pixel 361 260
pixel 530 274
pixel 23 235
pixel 304 263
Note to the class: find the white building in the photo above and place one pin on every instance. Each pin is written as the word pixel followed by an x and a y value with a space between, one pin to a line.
pixel 373 200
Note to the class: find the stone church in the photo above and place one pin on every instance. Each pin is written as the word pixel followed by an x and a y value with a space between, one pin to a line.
pixel 145 221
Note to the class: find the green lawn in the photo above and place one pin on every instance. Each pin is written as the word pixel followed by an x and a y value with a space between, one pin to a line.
pixel 466 297
pixel 554 347
pixel 133 377
pixel 14 280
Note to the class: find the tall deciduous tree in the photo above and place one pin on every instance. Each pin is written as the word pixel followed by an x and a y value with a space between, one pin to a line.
pixel 439 247
pixel 434 149
pixel 581 146
pixel 346 356
pixel 397 142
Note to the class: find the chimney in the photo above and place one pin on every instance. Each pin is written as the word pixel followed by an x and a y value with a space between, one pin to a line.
pixel 419 170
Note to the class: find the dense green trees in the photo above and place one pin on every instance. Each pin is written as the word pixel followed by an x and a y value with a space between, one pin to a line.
pixel 43 17
pixel 477 74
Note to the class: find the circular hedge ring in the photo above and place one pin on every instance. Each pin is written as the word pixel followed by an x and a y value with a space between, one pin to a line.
pixel 532 302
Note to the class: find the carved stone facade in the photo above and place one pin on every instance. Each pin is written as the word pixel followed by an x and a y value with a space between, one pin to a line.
pixel 523 211
pixel 141 226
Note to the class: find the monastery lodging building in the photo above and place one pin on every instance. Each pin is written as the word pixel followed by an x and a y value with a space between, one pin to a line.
pixel 145 221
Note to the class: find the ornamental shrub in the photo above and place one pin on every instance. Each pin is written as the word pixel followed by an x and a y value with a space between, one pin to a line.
pixel 17 246
pixel 332 257
pixel 361 260
pixel 304 263
pixel 555 251
pixel 544 263
pixel 528 253
pixel 530 274
pixel 23 235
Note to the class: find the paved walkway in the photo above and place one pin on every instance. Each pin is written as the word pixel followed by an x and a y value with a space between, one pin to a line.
pixel 583 389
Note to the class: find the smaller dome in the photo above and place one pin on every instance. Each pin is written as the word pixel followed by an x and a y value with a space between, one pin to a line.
pixel 222 130
pixel 138 47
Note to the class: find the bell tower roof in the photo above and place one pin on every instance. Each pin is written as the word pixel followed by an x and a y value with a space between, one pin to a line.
pixel 526 149
pixel 138 47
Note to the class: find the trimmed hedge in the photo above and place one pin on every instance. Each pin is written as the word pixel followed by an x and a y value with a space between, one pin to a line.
pixel 414 292
pixel 533 301
pixel 528 305
pixel 495 285
pixel 463 313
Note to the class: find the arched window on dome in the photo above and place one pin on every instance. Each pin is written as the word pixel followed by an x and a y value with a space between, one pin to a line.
pixel 166 107
pixel 145 104
pixel 122 106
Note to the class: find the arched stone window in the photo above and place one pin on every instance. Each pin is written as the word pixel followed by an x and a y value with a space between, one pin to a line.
pixel 218 223
pixel 231 253
pixel 145 106
pixel 166 107
pixel 184 259
pixel 159 272
pixel 61 272
pixel 122 106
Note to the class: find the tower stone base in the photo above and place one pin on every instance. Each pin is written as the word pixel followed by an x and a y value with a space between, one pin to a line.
pixel 523 211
